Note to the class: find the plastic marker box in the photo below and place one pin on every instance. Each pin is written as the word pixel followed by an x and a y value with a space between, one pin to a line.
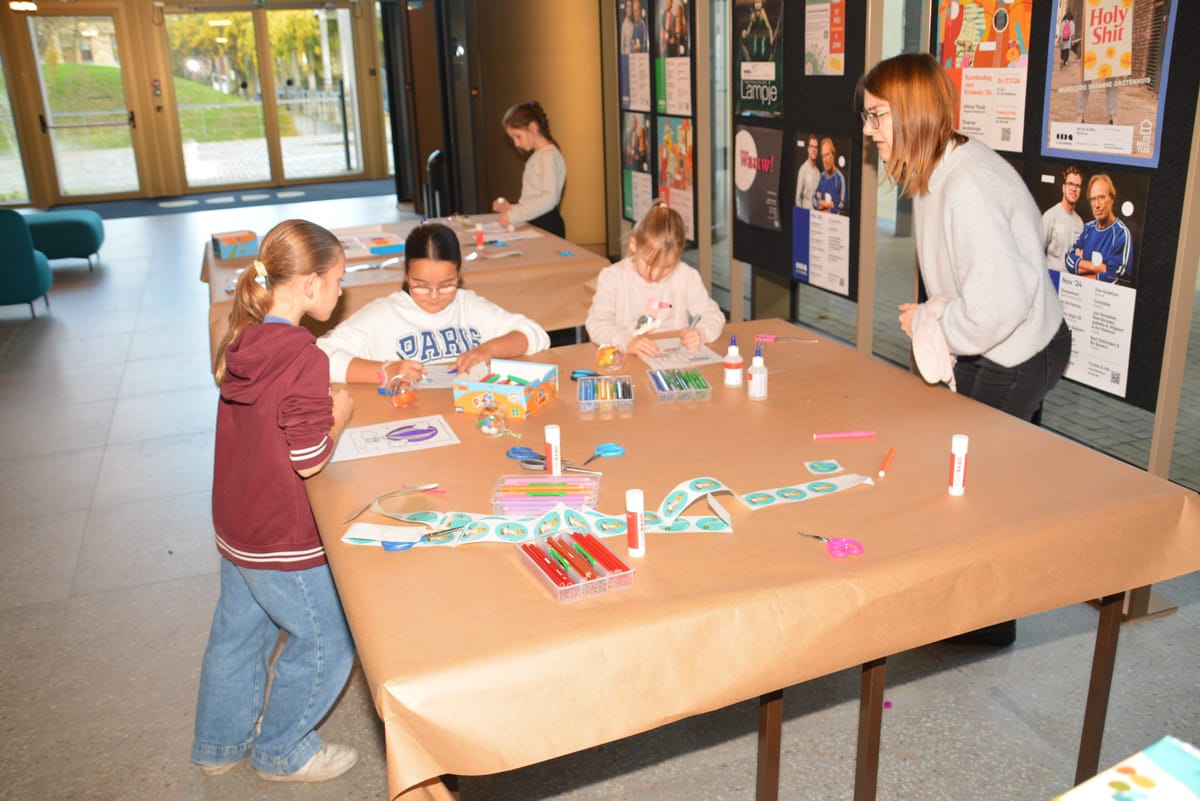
pixel 679 385
pixel 532 493
pixel 605 394
pixel 235 244
pixel 574 566
pixel 518 388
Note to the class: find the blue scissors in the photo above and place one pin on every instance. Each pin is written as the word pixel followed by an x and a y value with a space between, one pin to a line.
pixel 836 547
pixel 532 460
pixel 605 449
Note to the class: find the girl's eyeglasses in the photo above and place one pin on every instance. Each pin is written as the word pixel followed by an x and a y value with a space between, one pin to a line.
pixel 871 118
pixel 416 289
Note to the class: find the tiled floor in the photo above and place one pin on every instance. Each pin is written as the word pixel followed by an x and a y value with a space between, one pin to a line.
pixel 108 580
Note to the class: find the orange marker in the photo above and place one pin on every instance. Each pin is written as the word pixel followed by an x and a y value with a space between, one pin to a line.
pixel 887 462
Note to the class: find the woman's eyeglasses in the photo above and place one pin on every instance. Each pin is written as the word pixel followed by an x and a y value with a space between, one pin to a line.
pixel 871 118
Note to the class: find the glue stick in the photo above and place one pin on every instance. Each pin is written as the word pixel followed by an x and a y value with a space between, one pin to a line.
pixel 553 451
pixel 479 236
pixel 635 522
pixel 958 463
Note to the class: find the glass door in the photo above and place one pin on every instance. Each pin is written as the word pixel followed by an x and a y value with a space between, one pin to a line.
pixel 13 188
pixel 214 69
pixel 85 114
pixel 312 51
pixel 265 96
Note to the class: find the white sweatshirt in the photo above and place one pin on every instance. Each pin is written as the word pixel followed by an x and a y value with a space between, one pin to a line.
pixel 978 233
pixel 541 184
pixel 622 296
pixel 395 327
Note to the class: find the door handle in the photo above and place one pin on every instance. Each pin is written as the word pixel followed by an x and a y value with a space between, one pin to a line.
pixel 132 122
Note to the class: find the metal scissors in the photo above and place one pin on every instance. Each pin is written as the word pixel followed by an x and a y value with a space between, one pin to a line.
pixel 605 449
pixel 532 460
pixel 836 547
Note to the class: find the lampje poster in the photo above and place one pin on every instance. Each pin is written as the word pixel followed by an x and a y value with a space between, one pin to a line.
pixel 758 57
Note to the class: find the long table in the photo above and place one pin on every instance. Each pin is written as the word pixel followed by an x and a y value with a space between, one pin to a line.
pixel 462 649
pixel 552 280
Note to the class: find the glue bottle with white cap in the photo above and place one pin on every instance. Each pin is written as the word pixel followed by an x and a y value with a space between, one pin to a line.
pixel 757 375
pixel 958 463
pixel 733 364
pixel 635 522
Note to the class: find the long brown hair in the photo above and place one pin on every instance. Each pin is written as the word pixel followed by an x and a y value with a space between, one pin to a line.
pixel 521 115
pixel 293 248
pixel 922 101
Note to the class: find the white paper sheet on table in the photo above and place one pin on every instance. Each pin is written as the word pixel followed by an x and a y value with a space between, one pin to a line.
pixel 673 355
pixel 367 441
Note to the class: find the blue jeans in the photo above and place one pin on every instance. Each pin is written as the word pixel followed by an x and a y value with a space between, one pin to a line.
pixel 1017 390
pixel 310 672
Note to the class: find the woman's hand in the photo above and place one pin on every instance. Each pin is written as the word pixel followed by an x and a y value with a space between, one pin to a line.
pixel 690 339
pixel 501 205
pixel 907 310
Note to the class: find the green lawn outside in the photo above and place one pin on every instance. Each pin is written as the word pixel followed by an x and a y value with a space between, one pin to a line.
pixel 205 114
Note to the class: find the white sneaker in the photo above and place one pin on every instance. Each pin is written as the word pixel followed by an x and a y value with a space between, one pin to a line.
pixel 224 767
pixel 329 762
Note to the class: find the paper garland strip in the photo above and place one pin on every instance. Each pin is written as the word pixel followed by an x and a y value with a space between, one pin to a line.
pixel 456 528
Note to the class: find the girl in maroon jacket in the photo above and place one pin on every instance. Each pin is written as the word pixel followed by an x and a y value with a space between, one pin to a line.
pixel 277 424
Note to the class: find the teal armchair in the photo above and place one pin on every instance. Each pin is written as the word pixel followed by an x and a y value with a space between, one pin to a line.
pixel 24 272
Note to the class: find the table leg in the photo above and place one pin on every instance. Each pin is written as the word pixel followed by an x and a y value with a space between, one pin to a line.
pixel 1096 708
pixel 770 735
pixel 870 721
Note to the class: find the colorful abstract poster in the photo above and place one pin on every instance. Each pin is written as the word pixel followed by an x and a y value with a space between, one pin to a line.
pixel 825 37
pixel 637 179
pixel 757 166
pixel 673 57
pixel 1105 88
pixel 1093 224
pixel 821 213
pixel 984 46
pixel 758 57
pixel 633 61
pixel 676 162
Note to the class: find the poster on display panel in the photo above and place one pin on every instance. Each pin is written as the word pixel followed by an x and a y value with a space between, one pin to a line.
pixel 1093 222
pixel 984 47
pixel 821 213
pixel 676 169
pixel 633 61
pixel 1106 80
pixel 637 179
pixel 672 39
pixel 825 37
pixel 756 173
pixel 758 57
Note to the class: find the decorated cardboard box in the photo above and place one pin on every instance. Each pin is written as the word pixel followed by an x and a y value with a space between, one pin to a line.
pixel 235 244
pixel 518 389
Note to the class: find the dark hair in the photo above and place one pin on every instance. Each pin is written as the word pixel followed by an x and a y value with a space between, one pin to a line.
pixel 435 242
pixel 923 102
pixel 522 115
pixel 292 249
pixel 1069 171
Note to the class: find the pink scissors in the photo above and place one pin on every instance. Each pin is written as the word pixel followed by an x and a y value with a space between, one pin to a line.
pixel 836 547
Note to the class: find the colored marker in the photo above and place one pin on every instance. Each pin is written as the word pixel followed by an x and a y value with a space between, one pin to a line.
pixel 861 434
pixel 887 462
